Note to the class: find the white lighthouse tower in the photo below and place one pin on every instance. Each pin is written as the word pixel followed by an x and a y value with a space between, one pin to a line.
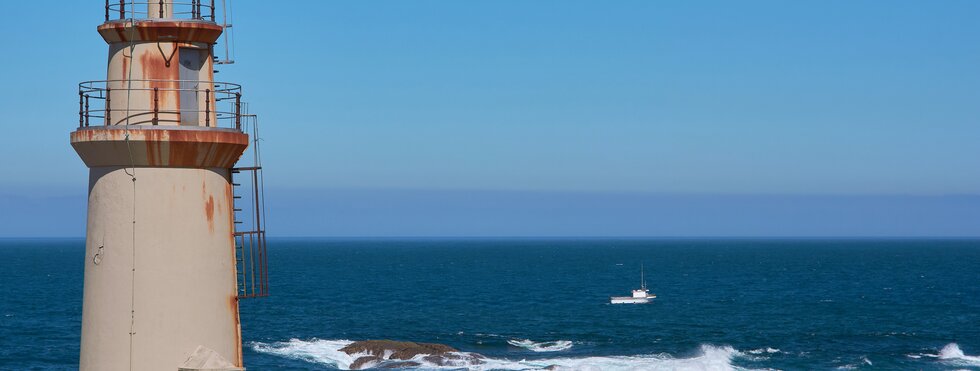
pixel 165 265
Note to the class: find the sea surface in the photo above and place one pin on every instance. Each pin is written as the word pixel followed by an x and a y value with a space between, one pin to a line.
pixel 789 304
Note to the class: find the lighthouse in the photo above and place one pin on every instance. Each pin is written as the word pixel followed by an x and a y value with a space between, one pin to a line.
pixel 172 242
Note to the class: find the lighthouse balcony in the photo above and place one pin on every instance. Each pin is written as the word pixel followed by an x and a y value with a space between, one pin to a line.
pixel 200 10
pixel 186 103
pixel 161 21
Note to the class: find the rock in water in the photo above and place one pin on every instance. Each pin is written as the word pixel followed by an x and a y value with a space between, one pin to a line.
pixel 400 349
pixel 383 350
pixel 361 361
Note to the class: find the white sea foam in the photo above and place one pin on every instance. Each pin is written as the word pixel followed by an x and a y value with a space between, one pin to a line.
pixel 763 350
pixel 544 346
pixel 853 366
pixel 327 352
pixel 952 355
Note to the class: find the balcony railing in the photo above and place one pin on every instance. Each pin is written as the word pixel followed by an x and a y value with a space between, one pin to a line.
pixel 160 102
pixel 202 10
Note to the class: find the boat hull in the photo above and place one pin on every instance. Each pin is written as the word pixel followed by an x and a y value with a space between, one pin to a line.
pixel 628 300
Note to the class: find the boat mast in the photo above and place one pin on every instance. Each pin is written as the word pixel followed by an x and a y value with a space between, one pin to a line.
pixel 643 282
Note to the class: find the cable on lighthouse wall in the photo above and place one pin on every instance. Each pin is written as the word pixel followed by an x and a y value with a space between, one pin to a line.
pixel 129 91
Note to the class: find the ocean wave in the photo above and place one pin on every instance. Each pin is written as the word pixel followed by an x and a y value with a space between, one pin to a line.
pixel 853 366
pixel 327 353
pixel 763 350
pixel 952 355
pixel 544 346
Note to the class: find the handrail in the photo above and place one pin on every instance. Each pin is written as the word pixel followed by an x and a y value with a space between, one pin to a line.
pixel 129 9
pixel 221 102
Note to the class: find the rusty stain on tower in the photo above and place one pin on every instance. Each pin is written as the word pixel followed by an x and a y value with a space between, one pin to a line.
pixel 175 234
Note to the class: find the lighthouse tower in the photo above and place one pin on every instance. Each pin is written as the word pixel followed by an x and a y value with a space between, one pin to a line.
pixel 165 265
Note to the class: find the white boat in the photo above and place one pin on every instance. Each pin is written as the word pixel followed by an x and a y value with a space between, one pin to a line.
pixel 641 296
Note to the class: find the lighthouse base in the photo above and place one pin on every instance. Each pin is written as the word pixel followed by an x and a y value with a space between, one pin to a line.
pixel 160 273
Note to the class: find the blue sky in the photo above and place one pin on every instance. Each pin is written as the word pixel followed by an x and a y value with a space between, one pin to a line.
pixel 557 117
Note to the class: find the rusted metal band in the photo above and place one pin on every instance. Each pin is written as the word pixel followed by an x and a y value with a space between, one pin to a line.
pixel 158 147
pixel 156 30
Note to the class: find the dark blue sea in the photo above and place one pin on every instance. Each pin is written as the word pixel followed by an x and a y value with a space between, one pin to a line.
pixel 532 303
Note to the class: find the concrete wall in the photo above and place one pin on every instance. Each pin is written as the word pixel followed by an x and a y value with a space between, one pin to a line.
pixel 158 60
pixel 170 277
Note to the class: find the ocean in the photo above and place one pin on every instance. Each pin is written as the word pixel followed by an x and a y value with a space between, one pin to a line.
pixel 525 304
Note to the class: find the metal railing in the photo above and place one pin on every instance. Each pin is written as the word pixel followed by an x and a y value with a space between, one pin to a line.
pixel 211 103
pixel 202 10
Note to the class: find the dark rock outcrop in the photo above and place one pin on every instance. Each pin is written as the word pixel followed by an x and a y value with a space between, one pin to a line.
pixel 401 364
pixel 400 349
pixel 437 354
pixel 360 362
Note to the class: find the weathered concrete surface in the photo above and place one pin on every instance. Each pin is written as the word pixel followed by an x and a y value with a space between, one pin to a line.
pixel 159 263
pixel 135 69
pixel 158 147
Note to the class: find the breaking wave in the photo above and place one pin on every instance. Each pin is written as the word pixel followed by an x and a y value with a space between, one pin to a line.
pixel 953 352
pixel 953 355
pixel 327 353
pixel 544 346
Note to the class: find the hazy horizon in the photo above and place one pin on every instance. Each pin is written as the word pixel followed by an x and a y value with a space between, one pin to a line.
pixel 388 213
pixel 760 118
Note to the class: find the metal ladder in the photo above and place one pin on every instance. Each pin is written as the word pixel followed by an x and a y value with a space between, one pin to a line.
pixel 250 245
pixel 248 208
